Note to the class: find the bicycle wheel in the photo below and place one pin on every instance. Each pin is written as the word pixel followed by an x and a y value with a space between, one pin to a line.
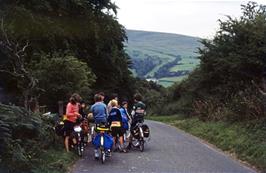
pixel 141 145
pixel 103 156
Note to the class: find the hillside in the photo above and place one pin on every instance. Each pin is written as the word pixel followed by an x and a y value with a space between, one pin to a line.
pixel 162 56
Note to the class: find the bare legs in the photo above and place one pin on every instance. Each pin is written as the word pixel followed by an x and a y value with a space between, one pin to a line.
pixel 67 143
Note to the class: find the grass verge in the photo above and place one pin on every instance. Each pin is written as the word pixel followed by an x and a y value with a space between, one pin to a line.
pixel 246 140
pixel 54 161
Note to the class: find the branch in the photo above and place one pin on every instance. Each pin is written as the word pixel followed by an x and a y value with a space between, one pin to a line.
pixel 4 32
pixel 259 88
pixel 14 74
pixel 23 48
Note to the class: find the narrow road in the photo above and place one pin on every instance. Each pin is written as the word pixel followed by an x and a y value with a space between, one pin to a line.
pixel 168 151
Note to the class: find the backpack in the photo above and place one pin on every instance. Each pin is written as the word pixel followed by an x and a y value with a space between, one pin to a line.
pixel 124 118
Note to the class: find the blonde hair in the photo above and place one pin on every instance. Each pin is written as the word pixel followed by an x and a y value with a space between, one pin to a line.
pixel 113 103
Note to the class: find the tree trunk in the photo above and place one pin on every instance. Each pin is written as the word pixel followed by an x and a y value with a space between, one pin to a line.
pixel 26 99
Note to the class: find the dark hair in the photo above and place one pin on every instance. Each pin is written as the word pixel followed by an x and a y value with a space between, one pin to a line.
pixel 124 102
pixel 101 93
pixel 97 98
pixel 75 98
pixel 72 100
pixel 114 96
pixel 138 97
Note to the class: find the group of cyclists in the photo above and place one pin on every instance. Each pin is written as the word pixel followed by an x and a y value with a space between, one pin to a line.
pixel 114 115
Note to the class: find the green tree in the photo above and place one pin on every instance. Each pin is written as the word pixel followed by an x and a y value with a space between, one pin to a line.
pixel 86 29
pixel 236 55
pixel 60 76
pixel 223 84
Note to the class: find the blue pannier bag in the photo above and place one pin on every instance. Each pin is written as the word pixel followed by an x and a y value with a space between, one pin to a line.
pixel 108 141
pixel 125 124
pixel 124 119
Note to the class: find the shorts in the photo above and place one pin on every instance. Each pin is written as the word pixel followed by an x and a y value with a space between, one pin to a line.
pixel 117 131
pixel 68 127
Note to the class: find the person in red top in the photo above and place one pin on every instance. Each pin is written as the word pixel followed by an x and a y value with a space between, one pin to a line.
pixel 72 114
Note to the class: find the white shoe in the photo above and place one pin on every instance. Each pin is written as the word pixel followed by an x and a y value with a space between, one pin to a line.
pixel 96 154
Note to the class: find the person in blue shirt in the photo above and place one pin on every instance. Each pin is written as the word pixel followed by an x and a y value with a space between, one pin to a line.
pixel 125 115
pixel 99 112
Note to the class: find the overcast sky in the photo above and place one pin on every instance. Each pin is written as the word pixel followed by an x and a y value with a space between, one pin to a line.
pixel 188 17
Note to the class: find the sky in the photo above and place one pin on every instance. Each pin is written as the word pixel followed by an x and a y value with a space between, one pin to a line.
pixel 188 17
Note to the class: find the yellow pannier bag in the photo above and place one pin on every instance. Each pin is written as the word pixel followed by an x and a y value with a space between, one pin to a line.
pixel 116 124
pixel 64 117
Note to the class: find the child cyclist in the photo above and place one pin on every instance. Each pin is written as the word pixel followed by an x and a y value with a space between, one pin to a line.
pixel 115 121
pixel 126 119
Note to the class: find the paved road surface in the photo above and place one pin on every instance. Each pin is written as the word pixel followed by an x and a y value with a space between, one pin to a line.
pixel 168 151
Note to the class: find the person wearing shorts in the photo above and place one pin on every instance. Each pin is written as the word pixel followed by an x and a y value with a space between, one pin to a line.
pixel 72 114
pixel 115 121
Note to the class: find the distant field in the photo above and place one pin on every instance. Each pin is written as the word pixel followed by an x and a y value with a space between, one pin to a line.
pixel 167 56
pixel 186 64
pixel 168 81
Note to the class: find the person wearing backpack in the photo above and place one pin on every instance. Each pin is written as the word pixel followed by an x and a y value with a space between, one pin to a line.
pixel 115 121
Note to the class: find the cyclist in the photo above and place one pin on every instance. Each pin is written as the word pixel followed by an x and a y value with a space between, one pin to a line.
pixel 115 121
pixel 109 106
pixel 72 114
pixel 84 122
pixel 99 112
pixel 138 111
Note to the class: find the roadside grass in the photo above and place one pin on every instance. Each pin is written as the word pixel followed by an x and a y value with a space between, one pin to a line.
pixel 55 161
pixel 245 140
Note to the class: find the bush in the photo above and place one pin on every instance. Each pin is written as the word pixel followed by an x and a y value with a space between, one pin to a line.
pixel 24 137
pixel 60 76
pixel 245 105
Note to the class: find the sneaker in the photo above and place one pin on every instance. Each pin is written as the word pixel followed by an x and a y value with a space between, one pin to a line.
pixel 124 151
pixel 96 154
pixel 108 153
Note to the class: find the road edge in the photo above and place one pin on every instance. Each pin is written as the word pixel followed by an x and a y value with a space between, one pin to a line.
pixel 213 147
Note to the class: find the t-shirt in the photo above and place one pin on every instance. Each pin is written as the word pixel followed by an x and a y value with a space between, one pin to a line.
pixel 99 112
pixel 115 115
pixel 139 109
pixel 71 109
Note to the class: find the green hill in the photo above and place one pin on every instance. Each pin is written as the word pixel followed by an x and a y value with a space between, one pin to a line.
pixel 162 56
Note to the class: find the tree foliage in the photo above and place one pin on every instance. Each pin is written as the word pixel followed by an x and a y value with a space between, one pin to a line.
pixel 61 76
pixel 85 29
pixel 224 86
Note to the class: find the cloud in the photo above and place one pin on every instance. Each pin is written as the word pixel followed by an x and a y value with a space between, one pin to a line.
pixel 190 17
